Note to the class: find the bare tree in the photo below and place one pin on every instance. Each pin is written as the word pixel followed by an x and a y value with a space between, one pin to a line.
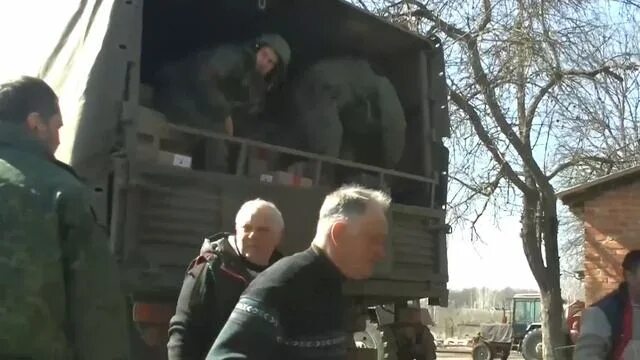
pixel 512 65
pixel 606 125
pixel 604 120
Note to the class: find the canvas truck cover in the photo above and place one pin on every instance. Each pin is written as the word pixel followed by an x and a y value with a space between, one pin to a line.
pixel 73 46
pixel 501 333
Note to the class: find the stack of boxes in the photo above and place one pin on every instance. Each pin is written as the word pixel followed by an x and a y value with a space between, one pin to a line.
pixel 260 162
pixel 156 141
pixel 285 178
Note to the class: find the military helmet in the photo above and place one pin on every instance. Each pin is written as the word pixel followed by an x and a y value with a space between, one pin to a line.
pixel 278 44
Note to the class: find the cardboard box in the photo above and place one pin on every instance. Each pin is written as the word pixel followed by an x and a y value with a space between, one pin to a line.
pixel 154 135
pixel 152 124
pixel 285 178
pixel 258 161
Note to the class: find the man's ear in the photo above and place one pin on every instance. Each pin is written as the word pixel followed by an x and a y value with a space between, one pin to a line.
pixel 34 121
pixel 337 231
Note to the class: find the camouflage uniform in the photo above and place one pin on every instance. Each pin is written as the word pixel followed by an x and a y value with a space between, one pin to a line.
pixel 341 104
pixel 60 295
pixel 209 86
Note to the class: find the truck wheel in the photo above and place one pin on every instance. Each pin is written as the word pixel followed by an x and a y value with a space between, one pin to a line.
pixel 532 345
pixel 481 352
pixel 371 338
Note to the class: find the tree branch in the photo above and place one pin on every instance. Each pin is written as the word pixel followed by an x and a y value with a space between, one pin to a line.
pixel 482 133
pixel 489 94
pixel 479 215
pixel 498 115
pixel 466 185
pixel 486 189
pixel 533 106
pixel 486 18
pixel 547 37
pixel 562 167
pixel 450 30
pixel 557 76
pixel 577 161
pixel 608 70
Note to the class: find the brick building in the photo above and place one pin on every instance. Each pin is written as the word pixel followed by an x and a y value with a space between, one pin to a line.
pixel 609 208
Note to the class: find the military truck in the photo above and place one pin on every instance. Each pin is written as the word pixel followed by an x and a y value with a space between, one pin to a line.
pixel 100 57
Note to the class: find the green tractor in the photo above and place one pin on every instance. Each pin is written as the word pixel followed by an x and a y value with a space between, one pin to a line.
pixel 526 323
pixel 523 333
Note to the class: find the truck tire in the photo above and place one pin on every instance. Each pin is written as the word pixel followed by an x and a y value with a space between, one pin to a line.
pixel 370 338
pixel 481 351
pixel 532 345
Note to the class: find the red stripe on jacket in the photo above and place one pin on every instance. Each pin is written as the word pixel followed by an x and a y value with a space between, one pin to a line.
pixel 627 332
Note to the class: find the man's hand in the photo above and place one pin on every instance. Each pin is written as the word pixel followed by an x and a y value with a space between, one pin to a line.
pixel 228 126
pixel 207 247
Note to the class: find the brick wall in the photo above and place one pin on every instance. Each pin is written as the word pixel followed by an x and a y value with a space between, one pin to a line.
pixel 612 227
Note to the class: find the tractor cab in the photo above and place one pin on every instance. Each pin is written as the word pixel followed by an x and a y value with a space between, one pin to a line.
pixel 526 313
pixel 523 333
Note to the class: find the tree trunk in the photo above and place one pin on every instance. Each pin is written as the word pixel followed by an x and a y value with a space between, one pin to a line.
pixel 553 334
pixel 539 215
pixel 554 329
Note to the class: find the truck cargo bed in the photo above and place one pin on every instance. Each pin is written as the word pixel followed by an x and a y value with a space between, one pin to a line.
pixel 160 210
pixel 170 209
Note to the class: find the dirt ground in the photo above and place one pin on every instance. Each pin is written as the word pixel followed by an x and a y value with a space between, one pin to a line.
pixel 467 356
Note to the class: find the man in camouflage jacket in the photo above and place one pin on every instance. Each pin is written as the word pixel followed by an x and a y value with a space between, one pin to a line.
pixel 220 89
pixel 60 296
pixel 206 87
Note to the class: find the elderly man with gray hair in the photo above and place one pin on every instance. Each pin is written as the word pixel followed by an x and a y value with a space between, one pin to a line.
pixel 294 309
pixel 215 279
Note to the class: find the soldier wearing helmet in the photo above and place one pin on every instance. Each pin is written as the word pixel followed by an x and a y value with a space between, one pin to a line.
pixel 210 88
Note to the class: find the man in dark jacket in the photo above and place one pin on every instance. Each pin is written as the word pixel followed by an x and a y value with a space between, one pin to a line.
pixel 212 89
pixel 61 296
pixel 610 328
pixel 346 110
pixel 216 278
pixel 294 309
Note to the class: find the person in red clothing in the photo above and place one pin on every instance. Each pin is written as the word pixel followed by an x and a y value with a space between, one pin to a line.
pixel 610 328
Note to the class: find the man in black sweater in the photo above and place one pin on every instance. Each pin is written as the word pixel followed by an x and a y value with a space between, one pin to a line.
pixel 215 279
pixel 294 309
